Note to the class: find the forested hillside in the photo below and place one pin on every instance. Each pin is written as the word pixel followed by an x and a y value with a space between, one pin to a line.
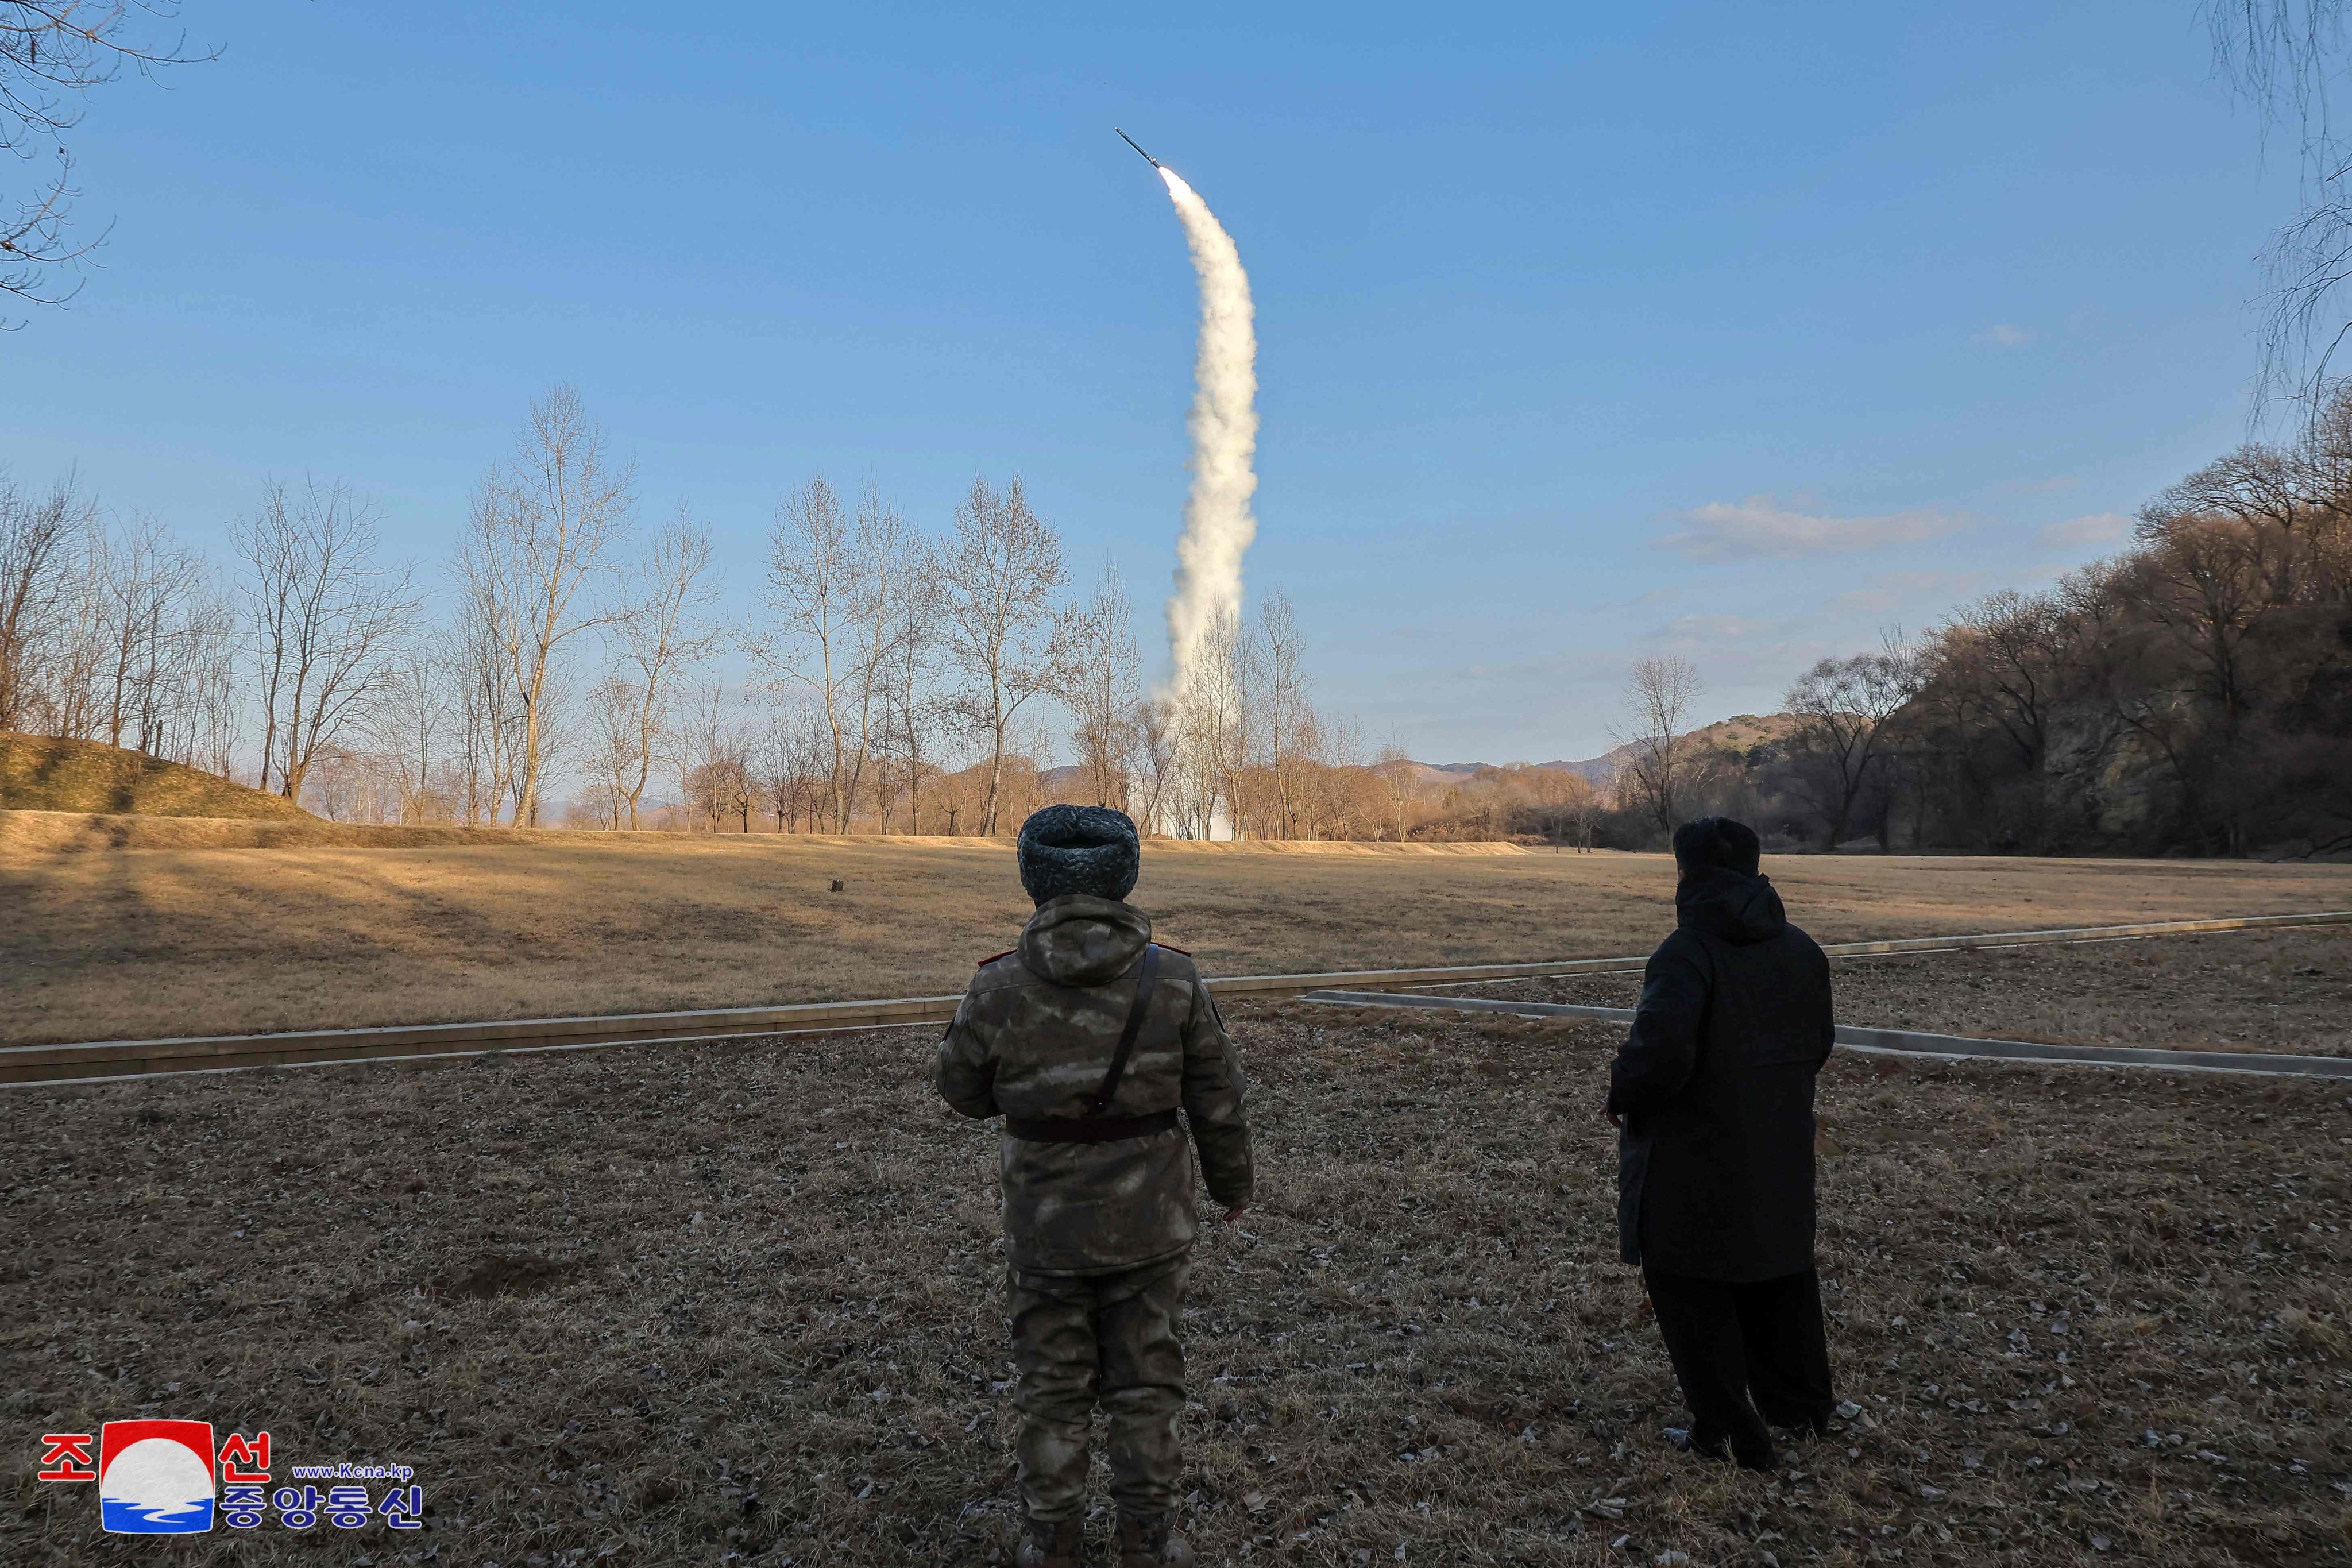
pixel 2191 694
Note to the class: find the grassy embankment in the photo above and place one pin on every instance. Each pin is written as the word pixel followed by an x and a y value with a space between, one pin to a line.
pixel 84 779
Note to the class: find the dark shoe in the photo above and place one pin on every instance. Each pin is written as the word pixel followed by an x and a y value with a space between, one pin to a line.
pixel 1150 1544
pixel 1051 1546
pixel 1680 1437
pixel 1802 1428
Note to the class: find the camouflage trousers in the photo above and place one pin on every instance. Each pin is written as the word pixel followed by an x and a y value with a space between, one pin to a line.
pixel 1102 1339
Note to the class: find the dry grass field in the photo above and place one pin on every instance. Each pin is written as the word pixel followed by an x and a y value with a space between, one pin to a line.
pixel 128 928
pixel 743 1302
pixel 2248 991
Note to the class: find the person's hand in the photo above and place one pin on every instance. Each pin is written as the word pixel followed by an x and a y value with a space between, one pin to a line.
pixel 1612 1118
pixel 1234 1214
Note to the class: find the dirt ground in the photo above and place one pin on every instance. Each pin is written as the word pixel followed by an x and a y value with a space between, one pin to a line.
pixel 2247 991
pixel 187 937
pixel 743 1302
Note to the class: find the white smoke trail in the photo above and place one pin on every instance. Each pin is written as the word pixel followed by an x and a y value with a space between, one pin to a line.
pixel 1218 524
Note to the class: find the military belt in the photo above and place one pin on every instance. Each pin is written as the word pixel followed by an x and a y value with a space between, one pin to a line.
pixel 1088 1128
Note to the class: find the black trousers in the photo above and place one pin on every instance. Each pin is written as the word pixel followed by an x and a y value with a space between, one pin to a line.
pixel 1729 1341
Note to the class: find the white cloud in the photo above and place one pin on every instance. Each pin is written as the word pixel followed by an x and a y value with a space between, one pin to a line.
pixel 1721 531
pixel 1716 628
pixel 1895 590
pixel 1549 671
pixel 2002 335
pixel 2099 527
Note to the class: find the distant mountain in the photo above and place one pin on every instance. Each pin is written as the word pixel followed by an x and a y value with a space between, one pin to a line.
pixel 1739 733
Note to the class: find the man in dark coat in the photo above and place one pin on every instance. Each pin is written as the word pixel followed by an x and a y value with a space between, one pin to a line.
pixel 1714 1093
pixel 1088 1038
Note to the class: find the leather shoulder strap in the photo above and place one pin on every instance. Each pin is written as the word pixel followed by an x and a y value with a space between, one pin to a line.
pixel 1143 983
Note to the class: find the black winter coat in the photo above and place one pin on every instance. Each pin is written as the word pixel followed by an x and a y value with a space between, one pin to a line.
pixel 1715 1082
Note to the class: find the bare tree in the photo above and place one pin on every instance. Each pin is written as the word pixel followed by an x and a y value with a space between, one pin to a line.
pixel 197 706
pixel 617 752
pixel 2008 656
pixel 348 785
pixel 488 713
pixel 1395 771
pixel 1292 729
pixel 1212 733
pixel 328 618
pixel 1332 783
pixel 1842 707
pixel 913 709
pixel 2215 583
pixel 1659 691
pixel 1103 684
pixel 41 541
pixel 546 525
pixel 662 634
pixel 1153 728
pixel 888 559
pixel 718 783
pixel 793 754
pixel 813 587
pixel 2281 54
pixel 137 576
pixel 52 52
pixel 1001 571
pixel 78 654
pixel 415 715
pixel 157 668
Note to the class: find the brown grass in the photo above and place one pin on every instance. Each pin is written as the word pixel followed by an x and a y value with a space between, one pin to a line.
pixel 735 1302
pixel 46 774
pixel 186 938
pixel 2246 991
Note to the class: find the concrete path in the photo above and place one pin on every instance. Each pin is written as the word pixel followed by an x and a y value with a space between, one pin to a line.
pixel 1903 1042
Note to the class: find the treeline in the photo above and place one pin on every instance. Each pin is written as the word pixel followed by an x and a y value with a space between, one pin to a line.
pixel 2191 694
pixel 900 680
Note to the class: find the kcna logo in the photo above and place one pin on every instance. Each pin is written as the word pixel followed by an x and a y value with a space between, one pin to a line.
pixel 154 1478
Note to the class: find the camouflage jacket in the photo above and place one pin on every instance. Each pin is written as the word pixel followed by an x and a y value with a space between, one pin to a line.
pixel 1035 1037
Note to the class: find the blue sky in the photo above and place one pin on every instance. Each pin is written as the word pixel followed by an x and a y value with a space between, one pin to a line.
pixel 1585 333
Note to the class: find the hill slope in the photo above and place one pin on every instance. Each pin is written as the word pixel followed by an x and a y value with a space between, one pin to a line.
pixel 41 773
pixel 1738 733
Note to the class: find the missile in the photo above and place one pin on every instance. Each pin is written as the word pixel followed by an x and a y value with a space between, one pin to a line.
pixel 1139 151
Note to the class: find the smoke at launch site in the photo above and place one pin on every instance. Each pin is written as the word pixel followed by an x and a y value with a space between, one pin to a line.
pixel 1218 524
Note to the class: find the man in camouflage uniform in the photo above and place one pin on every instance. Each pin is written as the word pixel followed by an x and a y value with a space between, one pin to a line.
pixel 1087 1038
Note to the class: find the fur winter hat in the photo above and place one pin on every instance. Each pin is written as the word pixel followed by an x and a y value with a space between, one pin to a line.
pixel 1713 841
pixel 1086 850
